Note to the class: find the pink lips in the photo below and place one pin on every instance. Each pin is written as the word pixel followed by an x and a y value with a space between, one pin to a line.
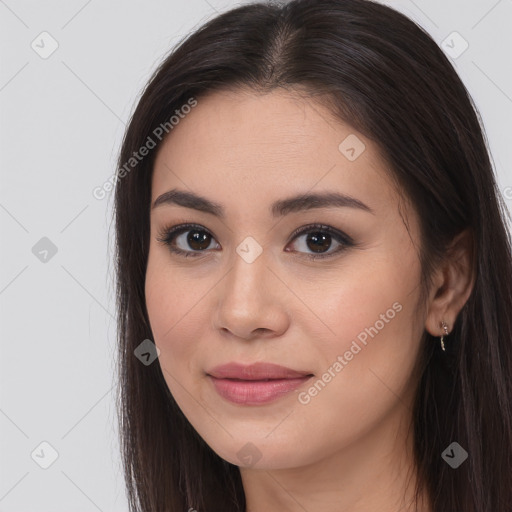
pixel 255 384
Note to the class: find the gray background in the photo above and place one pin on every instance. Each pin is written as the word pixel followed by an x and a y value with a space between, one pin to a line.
pixel 62 119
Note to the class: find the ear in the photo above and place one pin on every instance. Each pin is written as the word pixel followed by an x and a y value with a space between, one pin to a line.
pixel 453 282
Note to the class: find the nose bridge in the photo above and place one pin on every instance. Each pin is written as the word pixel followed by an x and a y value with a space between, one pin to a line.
pixel 249 268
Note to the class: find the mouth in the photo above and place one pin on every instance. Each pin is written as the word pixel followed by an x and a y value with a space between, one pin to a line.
pixel 255 384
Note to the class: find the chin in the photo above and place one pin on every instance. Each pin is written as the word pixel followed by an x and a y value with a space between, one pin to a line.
pixel 264 454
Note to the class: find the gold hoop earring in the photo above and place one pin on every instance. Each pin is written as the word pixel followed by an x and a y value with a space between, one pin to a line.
pixel 445 328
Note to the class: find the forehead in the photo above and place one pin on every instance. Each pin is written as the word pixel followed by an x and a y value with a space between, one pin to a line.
pixel 260 147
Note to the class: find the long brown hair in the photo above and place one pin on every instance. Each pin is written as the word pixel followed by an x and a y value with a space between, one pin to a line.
pixel 386 77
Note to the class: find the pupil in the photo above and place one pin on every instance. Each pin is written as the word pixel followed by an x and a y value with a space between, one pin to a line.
pixel 318 239
pixel 196 238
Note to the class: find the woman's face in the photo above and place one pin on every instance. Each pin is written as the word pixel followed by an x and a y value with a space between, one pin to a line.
pixel 346 325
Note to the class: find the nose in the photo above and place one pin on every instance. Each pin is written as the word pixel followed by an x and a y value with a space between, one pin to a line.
pixel 251 301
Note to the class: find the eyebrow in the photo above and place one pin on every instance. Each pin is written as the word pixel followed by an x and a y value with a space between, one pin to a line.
pixel 278 208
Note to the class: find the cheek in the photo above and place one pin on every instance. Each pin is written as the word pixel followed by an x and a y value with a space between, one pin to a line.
pixel 371 343
pixel 369 302
pixel 173 307
pixel 172 303
pixel 364 370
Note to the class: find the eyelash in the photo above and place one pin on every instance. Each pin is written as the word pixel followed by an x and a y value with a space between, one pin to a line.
pixel 169 233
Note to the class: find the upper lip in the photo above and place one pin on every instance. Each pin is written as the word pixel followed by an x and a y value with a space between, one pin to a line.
pixel 256 371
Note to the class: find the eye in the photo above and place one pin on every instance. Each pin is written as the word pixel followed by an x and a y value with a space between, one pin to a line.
pixel 194 239
pixel 191 235
pixel 318 238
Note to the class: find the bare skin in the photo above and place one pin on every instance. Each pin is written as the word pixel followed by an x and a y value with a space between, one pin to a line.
pixel 345 447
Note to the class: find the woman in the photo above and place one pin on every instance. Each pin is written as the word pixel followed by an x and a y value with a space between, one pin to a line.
pixel 314 273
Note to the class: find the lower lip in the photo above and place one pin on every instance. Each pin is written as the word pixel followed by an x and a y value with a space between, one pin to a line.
pixel 255 392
